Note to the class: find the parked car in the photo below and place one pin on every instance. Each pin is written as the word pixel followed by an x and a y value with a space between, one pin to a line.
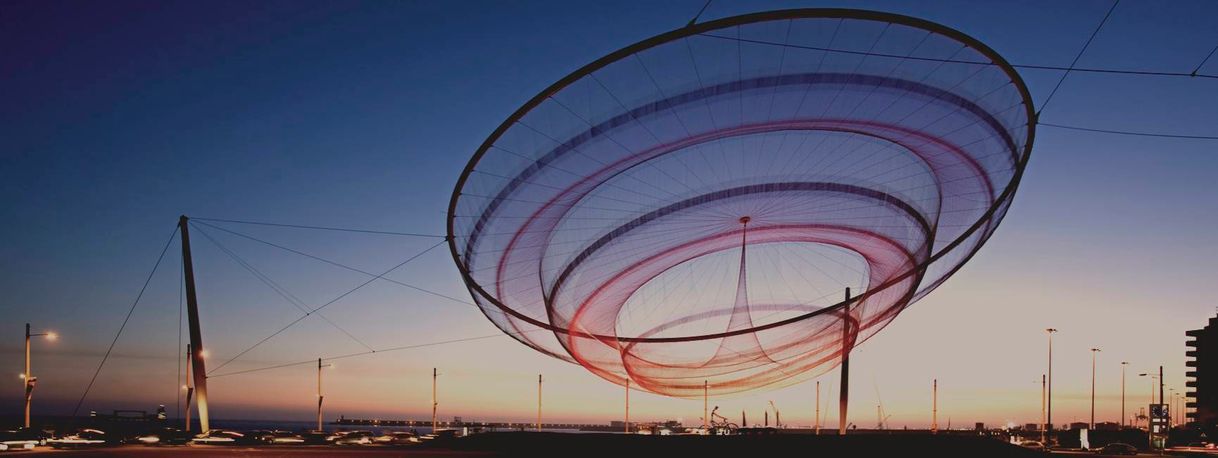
pixel 221 437
pixel 278 437
pixel 316 437
pixel 353 438
pixel 1117 448
pixel 397 438
pixel 166 436
pixel 85 438
pixel 1034 445
pixel 22 439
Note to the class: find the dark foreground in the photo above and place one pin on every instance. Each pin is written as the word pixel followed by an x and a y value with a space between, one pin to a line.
pixel 627 446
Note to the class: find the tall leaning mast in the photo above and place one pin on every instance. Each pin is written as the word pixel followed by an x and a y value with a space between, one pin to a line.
pixel 192 318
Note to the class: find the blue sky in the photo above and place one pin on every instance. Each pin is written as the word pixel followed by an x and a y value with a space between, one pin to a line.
pixel 119 117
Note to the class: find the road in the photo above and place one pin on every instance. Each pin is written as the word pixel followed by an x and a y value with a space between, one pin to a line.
pixel 269 451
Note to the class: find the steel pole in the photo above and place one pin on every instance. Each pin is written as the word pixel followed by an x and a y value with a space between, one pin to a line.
pixel 189 390
pixel 627 405
pixel 1093 387
pixel 1123 419
pixel 538 402
pixel 844 389
pixel 817 419
pixel 27 392
pixel 435 402
pixel 319 395
pixel 192 318
pixel 934 408
pixel 705 403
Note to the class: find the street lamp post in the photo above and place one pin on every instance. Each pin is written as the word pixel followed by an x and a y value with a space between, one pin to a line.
pixel 1152 378
pixel 1042 408
pixel 320 397
pixel 30 380
pixel 1123 365
pixel 1093 352
pixel 1049 409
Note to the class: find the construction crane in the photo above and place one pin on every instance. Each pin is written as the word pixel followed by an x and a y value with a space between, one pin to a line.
pixel 777 418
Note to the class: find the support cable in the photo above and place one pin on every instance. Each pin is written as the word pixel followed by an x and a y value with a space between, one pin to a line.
pixel 327 304
pixel 280 290
pixel 1076 58
pixel 1130 132
pixel 322 228
pixel 125 320
pixel 338 264
pixel 385 350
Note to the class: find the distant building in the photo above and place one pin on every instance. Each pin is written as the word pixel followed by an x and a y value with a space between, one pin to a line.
pixel 1031 427
pixel 1078 425
pixel 1107 426
pixel 979 426
pixel 1202 375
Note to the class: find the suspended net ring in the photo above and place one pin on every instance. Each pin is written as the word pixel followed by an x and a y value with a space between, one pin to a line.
pixel 690 211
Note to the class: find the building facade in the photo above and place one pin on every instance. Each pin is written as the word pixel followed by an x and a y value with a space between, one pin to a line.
pixel 1202 376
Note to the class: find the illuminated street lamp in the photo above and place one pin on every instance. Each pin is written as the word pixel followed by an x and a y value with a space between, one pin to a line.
pixel 27 379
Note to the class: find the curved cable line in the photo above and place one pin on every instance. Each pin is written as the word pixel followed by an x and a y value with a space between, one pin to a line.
pixel 1130 132
pixel 322 228
pixel 327 304
pixel 125 320
pixel 1077 57
pixel 280 290
pixel 1113 71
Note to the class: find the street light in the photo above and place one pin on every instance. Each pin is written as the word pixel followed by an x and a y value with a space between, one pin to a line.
pixel 1123 365
pixel 1049 419
pixel 1153 377
pixel 28 380
pixel 319 396
pixel 1093 352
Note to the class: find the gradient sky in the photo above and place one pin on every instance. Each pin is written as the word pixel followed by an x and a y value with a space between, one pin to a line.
pixel 118 117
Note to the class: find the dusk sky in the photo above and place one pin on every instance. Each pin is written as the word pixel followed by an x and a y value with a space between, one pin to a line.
pixel 118 117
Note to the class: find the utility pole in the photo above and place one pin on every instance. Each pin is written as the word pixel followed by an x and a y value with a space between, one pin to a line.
pixel 934 408
pixel 844 393
pixel 434 401
pixel 1161 401
pixel 192 318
